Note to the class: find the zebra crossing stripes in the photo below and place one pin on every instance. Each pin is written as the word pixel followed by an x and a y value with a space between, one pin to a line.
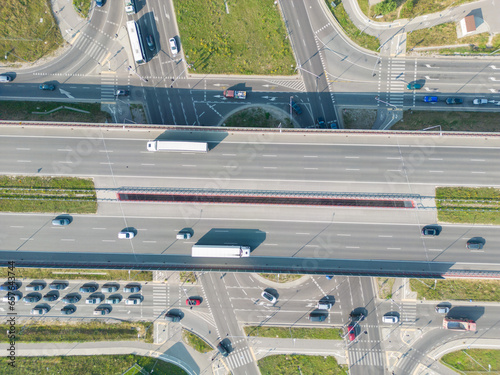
pixel 238 358
pixel 365 358
pixel 91 48
pixel 396 82
pixel 159 298
pixel 409 312
pixel 296 84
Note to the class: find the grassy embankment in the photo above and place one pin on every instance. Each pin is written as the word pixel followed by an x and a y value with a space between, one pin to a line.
pixel 195 342
pixel 281 277
pixel 250 39
pixel 296 333
pixel 449 121
pixel 74 274
pixel 300 364
pixel 47 194
pixel 473 361
pixel 29 30
pixel 98 365
pixel 457 290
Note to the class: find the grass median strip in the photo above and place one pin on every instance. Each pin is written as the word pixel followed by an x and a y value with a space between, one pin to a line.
pixel 80 332
pixel 473 361
pixel 75 274
pixel 90 364
pixel 47 194
pixel 195 342
pixel 296 333
pixel 468 205
pixel 458 290
pixel 300 364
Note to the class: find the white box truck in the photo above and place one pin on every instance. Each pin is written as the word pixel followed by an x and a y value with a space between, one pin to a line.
pixel 220 251
pixel 177 146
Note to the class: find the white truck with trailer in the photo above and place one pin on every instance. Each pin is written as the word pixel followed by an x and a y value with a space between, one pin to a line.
pixel 179 146
pixel 220 251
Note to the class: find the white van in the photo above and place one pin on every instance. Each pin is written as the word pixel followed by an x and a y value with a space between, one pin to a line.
pixel 324 305
pixel 5 78
pixel 390 319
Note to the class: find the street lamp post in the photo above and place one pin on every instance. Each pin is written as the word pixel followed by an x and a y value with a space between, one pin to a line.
pixel 291 97
pixel 433 127
pixel 307 71
pixel 137 74
pixel 187 66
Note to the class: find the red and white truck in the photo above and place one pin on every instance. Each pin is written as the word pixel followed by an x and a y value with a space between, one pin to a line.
pixel 463 324
pixel 235 94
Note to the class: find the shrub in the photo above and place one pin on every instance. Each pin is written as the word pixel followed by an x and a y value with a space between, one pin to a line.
pixel 407 9
pixel 386 6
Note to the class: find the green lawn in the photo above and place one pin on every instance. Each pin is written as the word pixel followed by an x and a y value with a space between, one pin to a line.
pixel 196 342
pixel 468 205
pixel 75 274
pixel 80 332
pixel 29 31
pixel 449 121
pixel 473 361
pixel 385 287
pixel 358 37
pixel 88 365
pixel 36 111
pixel 256 118
pixel 47 194
pixel 300 365
pixel 458 290
pixel 250 39
pixel 297 333
pixel 83 6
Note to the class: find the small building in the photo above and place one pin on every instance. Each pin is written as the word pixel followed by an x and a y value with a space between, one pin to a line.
pixel 468 24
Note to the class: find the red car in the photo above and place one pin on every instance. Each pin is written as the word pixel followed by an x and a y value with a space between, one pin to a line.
pixel 351 330
pixel 193 301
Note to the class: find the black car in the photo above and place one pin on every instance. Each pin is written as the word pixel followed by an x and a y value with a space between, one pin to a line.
pixel 429 231
pixel 150 42
pixel 31 298
pixel 99 3
pixel 88 289
pixel 68 310
pixel 296 108
pixel 10 286
pixel 474 244
pixel 222 349
pixel 58 285
pixel 454 101
pixel 47 86
pixel 172 317
pixel 71 298
pixel 317 316
pixel 321 123
pixel 51 296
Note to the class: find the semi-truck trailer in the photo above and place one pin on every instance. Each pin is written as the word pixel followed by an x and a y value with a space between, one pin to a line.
pixel 177 146
pixel 459 324
pixel 220 251
pixel 235 94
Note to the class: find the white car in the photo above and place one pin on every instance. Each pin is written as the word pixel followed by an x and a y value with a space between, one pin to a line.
pixel 126 234
pixel 480 101
pixel 390 319
pixel 173 46
pixel 133 300
pixel 268 296
pixel 93 300
pixel 442 309
pixel 183 235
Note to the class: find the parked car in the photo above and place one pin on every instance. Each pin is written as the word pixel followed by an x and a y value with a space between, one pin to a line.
pixel 442 309
pixel 58 285
pixel 222 349
pixel 51 296
pixel 132 288
pixel 193 301
pixel 71 298
pixel 183 235
pixel 34 287
pixel 47 86
pixel 134 300
pixel 12 296
pixel 414 86
pixel 321 123
pixel 173 46
pixel 126 234
pixel 39 310
pixel 68 310
pixel 296 108
pixel 454 101
pixel 93 300
pixel 430 231
pixel 172 317
pixel 150 42
pixel 480 101
pixel 11 285
pixel 268 296
pixel 109 288
pixel 88 289
pixel 61 221
pixel 113 300
pixel 390 319
pixel 430 99
pixel 32 298
pixel 102 310
pixel 474 244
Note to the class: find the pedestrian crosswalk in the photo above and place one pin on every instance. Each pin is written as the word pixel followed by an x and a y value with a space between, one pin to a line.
pixel 297 85
pixel 396 83
pixel 159 299
pixel 238 358
pixel 360 357
pixel 408 312
pixel 91 48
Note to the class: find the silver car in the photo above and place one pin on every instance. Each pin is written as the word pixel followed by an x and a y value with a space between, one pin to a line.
pixel 58 222
pixel 442 309
pixel 93 300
